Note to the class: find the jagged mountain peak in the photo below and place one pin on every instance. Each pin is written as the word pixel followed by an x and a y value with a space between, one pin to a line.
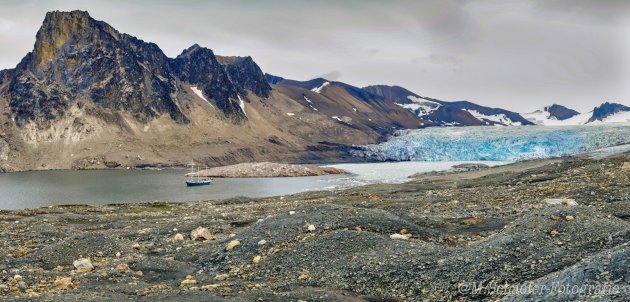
pixel 607 109
pixel 76 57
pixel 560 112
pixel 58 18
pixel 226 60
pixel 61 28
pixel 246 74
pixel 196 49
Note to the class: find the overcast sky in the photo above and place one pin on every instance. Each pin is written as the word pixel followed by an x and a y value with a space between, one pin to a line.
pixel 520 55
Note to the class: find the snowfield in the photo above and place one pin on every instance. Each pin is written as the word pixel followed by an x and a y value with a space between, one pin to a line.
pixel 543 117
pixel 497 118
pixel 420 106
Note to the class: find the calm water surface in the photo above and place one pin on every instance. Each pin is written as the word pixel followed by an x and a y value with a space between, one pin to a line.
pixel 45 188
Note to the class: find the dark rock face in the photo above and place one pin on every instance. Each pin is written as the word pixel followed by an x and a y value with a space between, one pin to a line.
pixel 5 75
pixel 606 109
pixel 560 112
pixel 199 66
pixel 245 74
pixel 79 59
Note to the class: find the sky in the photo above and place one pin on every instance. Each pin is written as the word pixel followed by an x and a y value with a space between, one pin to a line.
pixel 518 55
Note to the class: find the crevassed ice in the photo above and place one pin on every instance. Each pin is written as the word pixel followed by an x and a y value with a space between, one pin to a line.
pixel 495 143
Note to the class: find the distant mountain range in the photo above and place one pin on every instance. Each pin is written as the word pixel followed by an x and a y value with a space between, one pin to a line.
pixel 557 115
pixel 88 96
pixel 433 112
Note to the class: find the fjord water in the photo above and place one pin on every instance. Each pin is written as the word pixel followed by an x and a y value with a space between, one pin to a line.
pixel 423 150
pixel 62 187
pixel 44 188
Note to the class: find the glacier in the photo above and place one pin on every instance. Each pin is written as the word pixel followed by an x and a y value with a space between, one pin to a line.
pixel 494 143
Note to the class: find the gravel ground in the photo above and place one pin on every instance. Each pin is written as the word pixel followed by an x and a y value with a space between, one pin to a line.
pixel 267 169
pixel 548 230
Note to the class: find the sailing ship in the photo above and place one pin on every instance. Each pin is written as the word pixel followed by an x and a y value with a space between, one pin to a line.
pixel 194 178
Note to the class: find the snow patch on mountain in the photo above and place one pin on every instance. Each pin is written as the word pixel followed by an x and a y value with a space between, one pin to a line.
pixel 619 117
pixel 199 93
pixel 546 116
pixel 498 119
pixel 310 103
pixel 543 117
pixel 319 89
pixel 241 103
pixel 420 106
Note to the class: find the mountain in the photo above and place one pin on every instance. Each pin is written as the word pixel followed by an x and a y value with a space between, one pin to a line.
pixel 347 104
pixel 77 58
pixel 88 96
pixel 436 112
pixel 309 85
pixel 610 112
pixel 560 112
pixel 557 115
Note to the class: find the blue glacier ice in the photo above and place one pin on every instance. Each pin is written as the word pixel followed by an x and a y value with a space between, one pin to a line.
pixel 495 143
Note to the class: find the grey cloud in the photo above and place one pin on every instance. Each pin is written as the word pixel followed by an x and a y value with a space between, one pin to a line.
pixel 604 11
pixel 515 54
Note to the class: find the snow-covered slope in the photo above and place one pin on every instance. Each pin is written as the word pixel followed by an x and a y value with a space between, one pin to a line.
pixel 618 117
pixel 603 114
pixel 419 106
pixel 498 119
pixel 542 117
pixel 436 112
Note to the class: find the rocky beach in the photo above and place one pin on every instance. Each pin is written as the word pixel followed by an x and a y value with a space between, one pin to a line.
pixel 267 169
pixel 486 234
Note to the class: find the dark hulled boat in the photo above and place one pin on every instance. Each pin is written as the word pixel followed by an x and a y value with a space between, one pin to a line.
pixel 193 180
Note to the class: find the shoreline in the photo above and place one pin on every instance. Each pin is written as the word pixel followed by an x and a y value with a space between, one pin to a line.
pixel 380 241
pixel 266 169
pixel 601 153
pixel 183 167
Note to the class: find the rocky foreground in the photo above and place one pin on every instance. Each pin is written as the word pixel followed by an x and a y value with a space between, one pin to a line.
pixel 267 169
pixel 553 230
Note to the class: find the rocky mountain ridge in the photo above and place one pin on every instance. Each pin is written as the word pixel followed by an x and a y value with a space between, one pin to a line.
pixel 88 96
pixel 560 112
pixel 78 58
pixel 607 110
